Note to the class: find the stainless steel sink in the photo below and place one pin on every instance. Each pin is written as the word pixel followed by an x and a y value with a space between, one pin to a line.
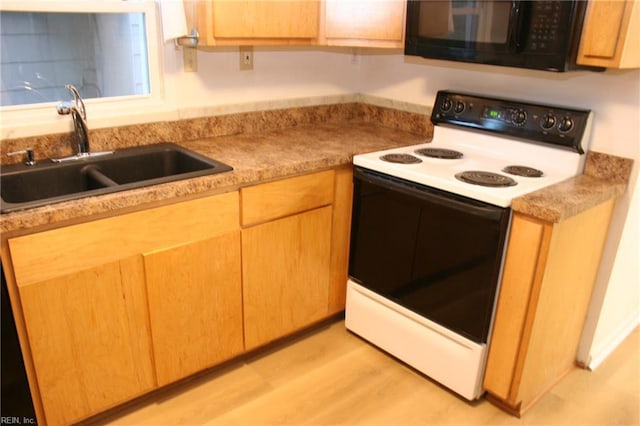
pixel 23 187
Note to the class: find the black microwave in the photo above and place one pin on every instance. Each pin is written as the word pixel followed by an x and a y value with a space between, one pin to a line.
pixel 535 34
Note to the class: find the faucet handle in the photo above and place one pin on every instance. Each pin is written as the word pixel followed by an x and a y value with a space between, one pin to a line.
pixel 29 158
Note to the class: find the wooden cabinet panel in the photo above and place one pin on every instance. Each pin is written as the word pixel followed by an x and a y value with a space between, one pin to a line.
pixel 195 305
pixel 90 343
pixel 254 22
pixel 285 267
pixel 340 236
pixel 365 23
pixel 575 250
pixel 272 200
pixel 265 19
pixel 610 36
pixel 43 255
pixel 89 338
pixel 527 242
pixel 549 273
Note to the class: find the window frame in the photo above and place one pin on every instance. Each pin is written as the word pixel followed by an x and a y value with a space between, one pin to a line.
pixel 39 119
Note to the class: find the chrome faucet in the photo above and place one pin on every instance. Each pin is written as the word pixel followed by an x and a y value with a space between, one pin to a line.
pixel 79 115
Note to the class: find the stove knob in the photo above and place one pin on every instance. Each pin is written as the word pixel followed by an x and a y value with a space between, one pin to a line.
pixel 446 104
pixel 459 107
pixel 548 121
pixel 519 117
pixel 565 124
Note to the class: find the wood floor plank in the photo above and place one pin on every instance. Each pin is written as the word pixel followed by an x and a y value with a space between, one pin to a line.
pixel 332 377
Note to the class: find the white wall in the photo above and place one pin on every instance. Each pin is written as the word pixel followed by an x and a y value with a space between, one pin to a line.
pixel 279 73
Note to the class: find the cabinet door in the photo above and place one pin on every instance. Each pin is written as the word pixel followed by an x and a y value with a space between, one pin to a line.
pixel 237 22
pixel 370 23
pixel 195 305
pixel 610 34
pixel 89 339
pixel 285 267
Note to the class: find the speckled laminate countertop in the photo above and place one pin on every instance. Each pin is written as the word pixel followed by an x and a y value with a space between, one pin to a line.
pixel 605 177
pixel 260 152
pixel 255 158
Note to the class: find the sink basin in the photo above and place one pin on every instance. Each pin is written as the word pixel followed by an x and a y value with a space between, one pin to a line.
pixel 24 187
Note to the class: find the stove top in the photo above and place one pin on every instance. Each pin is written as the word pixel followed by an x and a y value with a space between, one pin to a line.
pixel 474 152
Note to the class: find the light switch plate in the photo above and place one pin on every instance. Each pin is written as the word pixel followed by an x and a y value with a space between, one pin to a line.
pixel 246 58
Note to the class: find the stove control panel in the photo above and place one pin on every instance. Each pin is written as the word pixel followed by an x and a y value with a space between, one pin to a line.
pixel 563 127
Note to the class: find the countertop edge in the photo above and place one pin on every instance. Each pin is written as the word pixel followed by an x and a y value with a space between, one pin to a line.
pixel 568 198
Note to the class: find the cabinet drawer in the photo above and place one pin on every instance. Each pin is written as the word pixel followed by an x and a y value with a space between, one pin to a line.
pixel 281 198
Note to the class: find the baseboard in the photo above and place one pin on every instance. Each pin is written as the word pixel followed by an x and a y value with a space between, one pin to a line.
pixel 602 351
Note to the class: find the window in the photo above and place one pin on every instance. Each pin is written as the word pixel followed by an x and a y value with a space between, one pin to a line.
pixel 101 54
pixel 108 49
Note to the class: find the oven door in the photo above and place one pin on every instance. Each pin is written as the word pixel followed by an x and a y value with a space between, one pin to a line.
pixel 435 253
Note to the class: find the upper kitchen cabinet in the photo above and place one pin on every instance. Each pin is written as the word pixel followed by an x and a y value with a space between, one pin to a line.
pixel 364 23
pixel 610 35
pixel 254 22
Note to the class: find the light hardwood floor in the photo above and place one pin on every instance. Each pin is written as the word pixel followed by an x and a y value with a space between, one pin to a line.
pixel 332 377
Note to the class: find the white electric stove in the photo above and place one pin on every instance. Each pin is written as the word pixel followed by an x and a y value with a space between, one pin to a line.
pixel 483 138
pixel 431 222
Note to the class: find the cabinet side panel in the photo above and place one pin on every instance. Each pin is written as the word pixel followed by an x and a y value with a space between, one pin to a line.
pixel 195 304
pixel 572 264
pixel 340 235
pixel 515 292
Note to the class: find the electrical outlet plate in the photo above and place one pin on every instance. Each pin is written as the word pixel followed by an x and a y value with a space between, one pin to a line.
pixel 246 58
pixel 190 59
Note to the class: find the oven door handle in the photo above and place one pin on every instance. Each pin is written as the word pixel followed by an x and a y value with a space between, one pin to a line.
pixel 432 195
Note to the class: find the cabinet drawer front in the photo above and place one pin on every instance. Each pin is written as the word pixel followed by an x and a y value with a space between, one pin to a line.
pixel 62 251
pixel 272 200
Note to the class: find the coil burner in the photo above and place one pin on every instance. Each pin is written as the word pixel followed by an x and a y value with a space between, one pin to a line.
pixel 401 158
pixel 523 171
pixel 482 178
pixel 447 154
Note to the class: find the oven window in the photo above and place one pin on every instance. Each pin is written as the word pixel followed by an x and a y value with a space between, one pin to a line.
pixel 475 21
pixel 439 256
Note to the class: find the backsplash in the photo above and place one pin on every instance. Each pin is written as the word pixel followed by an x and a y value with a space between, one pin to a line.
pixel 59 145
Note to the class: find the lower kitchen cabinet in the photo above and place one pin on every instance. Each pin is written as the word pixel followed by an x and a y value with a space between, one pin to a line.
pixel 87 292
pixel 116 307
pixel 548 278
pixel 285 275
pixel 89 338
pixel 286 255
pixel 195 305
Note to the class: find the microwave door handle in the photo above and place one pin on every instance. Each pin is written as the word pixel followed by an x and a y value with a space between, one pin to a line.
pixel 518 22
